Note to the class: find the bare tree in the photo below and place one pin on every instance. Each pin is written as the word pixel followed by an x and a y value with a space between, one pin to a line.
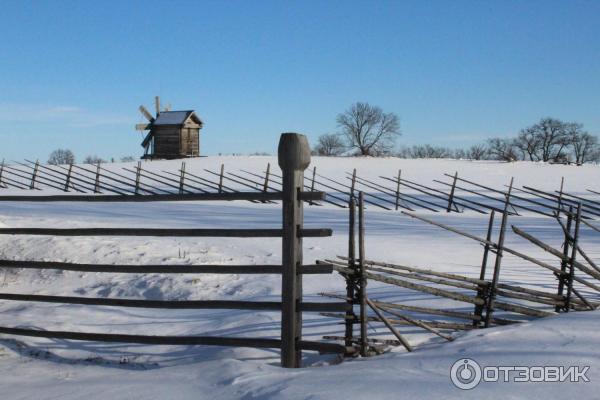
pixel 127 159
pixel 529 143
pixel 329 145
pixel 582 143
pixel 550 137
pixel 61 156
pixel 368 129
pixel 429 151
pixel 93 160
pixel 477 152
pixel 502 149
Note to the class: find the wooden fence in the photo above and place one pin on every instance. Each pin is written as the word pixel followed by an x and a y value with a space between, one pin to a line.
pixel 294 158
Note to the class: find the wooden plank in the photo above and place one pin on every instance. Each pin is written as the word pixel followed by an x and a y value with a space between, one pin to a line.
pixel 160 232
pixel 164 269
pixel 172 340
pixel 179 305
pixel 389 325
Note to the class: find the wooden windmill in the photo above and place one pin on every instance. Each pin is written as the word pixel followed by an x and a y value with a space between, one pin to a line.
pixel 171 134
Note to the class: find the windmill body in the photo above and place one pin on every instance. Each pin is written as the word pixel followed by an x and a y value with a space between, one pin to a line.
pixel 171 134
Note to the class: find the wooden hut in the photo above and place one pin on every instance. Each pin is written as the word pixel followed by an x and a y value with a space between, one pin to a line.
pixel 172 134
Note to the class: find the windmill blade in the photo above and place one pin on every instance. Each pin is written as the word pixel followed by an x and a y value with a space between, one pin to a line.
pixel 146 113
pixel 142 127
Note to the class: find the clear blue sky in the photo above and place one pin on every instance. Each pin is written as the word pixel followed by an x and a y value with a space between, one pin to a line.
pixel 72 73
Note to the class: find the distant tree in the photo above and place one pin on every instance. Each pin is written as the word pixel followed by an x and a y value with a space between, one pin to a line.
pixel 529 143
pixel 477 152
pixel 429 151
pixel 549 139
pixel 459 154
pixel 329 145
pixel 61 156
pixel 502 149
pixel 368 129
pixel 93 160
pixel 583 144
pixel 127 159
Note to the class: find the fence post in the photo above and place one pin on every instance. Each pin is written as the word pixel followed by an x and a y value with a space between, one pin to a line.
pixel 34 175
pixel 351 279
pixel 398 189
pixel 483 290
pixel 182 177
pixel 572 259
pixel 68 178
pixel 221 178
pixel 497 264
pixel 293 158
pixel 97 181
pixel 451 197
pixel 138 172
pixel 1 172
pixel 364 345
pixel 267 173
pixel 312 183
pixel 353 183
pixel 562 277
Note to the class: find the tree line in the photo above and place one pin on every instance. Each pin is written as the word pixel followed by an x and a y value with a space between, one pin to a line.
pixel 66 156
pixel 368 130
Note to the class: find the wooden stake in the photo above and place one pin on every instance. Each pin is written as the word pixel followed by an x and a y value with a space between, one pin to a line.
pixel 1 172
pixel 34 175
pixel 266 184
pixel 182 178
pixel 97 180
pixel 312 183
pixel 351 279
pixel 573 259
pixel 566 243
pixel 482 291
pixel 138 174
pixel 363 279
pixel 353 184
pixel 499 253
pixel 221 178
pixel 398 189
pixel 451 196
pixel 389 325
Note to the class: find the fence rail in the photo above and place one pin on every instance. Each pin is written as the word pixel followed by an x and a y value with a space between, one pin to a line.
pixel 294 158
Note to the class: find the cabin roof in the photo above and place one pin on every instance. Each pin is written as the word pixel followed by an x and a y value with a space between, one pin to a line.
pixel 174 117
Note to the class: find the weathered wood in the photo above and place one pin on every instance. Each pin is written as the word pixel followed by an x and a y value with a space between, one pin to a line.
pixel 180 305
pixel 425 278
pixel 173 340
pixel 413 286
pixel 164 269
pixel 221 175
pixel 418 323
pixel 362 281
pixel 182 178
pixel 482 289
pixel 293 157
pixel 499 253
pixel 159 232
pixel 566 244
pixel 522 309
pixel 138 175
pixel 556 253
pixel 389 325
pixel 435 324
pixel 351 279
pixel 451 195
pixel 572 259
pixel 398 189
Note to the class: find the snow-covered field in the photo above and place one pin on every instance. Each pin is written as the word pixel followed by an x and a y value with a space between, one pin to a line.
pixel 57 369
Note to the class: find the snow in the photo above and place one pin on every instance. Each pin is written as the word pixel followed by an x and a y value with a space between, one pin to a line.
pixel 33 368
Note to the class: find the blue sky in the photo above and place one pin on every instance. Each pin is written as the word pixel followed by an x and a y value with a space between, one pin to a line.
pixel 72 73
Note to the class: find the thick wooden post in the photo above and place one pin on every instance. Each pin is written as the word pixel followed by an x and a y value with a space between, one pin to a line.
pixel 182 178
pixel 399 179
pixel 138 173
pixel 364 345
pixel 293 157
pixel 451 197
pixel 34 175
pixel 482 290
pixel 499 254
pixel 351 279
pixel 573 258
pixel 562 277
pixel 221 178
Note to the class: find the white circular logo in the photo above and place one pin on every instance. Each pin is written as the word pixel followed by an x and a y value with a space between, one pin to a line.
pixel 465 374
